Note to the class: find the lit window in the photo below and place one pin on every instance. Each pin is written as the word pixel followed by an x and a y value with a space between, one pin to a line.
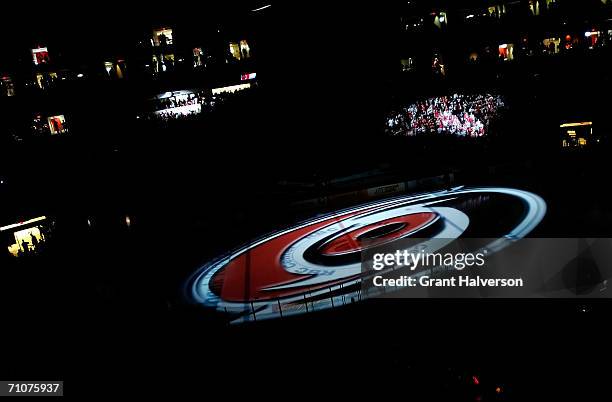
pixel 40 55
pixel 162 37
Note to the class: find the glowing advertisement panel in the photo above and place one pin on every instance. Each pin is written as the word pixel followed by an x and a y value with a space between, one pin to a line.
pixel 248 76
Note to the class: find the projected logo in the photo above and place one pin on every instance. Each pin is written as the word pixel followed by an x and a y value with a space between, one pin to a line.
pixel 317 264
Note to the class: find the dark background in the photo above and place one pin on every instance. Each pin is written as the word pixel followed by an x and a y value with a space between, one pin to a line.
pixel 105 305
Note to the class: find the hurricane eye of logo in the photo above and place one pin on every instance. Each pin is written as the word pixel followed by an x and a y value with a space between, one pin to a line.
pixel 376 234
pixel 317 264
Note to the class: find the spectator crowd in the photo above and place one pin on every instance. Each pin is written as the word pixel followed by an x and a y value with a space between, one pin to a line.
pixel 190 107
pixel 458 114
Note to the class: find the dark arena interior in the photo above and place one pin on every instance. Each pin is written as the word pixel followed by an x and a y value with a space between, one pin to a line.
pixel 189 192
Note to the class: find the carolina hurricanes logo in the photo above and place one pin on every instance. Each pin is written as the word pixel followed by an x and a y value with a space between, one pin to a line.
pixel 317 264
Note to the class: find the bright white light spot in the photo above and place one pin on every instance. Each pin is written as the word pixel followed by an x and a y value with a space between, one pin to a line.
pixel 262 8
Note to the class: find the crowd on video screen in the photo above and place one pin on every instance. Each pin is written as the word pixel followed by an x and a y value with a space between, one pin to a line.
pixel 465 115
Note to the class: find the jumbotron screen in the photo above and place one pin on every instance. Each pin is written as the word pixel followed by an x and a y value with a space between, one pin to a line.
pixel 466 115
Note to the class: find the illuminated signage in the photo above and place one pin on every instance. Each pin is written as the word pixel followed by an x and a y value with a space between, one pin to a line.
pixel 248 76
